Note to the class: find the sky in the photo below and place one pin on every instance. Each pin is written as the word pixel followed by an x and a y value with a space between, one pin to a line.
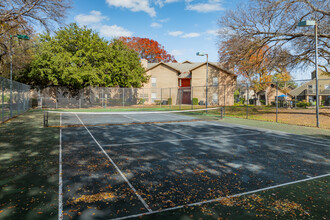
pixel 183 27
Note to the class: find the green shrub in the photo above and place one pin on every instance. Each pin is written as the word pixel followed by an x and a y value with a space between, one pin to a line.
pixel 195 101
pixel 303 104
pixel 169 100
pixel 141 101
pixel 157 102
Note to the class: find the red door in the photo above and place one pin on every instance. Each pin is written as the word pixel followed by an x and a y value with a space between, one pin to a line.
pixel 185 83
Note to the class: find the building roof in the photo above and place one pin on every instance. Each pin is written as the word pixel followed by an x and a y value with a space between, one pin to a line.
pixel 186 67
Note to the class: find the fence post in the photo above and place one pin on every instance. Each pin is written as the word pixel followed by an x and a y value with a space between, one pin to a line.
pixel 102 99
pixel 18 98
pixel 224 99
pixel 295 101
pixel 123 97
pixel 247 101
pixel 143 97
pixel 276 100
pixel 171 97
pixel 2 100
pixel 161 96
pixel 192 97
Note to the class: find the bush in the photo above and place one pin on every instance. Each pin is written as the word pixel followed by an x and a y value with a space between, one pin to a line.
pixel 169 101
pixel 141 101
pixel 303 104
pixel 195 101
pixel 157 102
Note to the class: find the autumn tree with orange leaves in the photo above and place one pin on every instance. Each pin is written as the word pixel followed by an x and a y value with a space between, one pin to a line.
pixel 256 64
pixel 148 49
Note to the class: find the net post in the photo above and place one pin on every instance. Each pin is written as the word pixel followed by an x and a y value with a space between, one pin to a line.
pixel 45 119
pixel 79 102
pixel 276 101
pixel 221 113
pixel 247 101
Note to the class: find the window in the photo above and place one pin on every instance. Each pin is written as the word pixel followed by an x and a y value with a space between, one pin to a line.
pixel 215 81
pixel 215 98
pixel 153 82
pixel 326 86
pixel 153 96
pixel 310 86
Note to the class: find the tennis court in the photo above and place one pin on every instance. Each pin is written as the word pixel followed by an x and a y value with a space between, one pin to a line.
pixel 125 165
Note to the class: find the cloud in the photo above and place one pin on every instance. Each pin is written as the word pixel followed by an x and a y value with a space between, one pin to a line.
pixel 175 33
pixel 134 5
pixel 156 25
pixel 213 32
pixel 176 52
pixel 190 35
pixel 114 31
pixel 92 18
pixel 210 6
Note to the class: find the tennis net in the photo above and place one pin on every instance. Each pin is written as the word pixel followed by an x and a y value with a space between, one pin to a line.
pixel 77 119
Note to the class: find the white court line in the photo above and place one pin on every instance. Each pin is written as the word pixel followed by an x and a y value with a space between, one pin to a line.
pixel 221 198
pixel 178 140
pixel 119 171
pixel 160 127
pixel 309 140
pixel 60 181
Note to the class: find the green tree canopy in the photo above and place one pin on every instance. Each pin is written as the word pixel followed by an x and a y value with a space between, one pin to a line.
pixel 77 57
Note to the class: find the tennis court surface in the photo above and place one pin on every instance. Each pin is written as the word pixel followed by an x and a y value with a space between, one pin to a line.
pixel 133 164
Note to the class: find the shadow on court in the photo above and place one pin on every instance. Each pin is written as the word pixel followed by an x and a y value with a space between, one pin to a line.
pixel 177 164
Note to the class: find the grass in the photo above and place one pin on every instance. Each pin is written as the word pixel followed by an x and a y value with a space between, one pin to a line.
pixel 29 180
pixel 298 116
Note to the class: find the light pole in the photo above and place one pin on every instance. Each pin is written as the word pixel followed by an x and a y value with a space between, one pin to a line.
pixel 313 23
pixel 22 37
pixel 207 72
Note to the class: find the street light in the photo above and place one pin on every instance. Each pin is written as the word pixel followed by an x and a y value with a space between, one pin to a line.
pixel 207 71
pixel 313 23
pixel 22 37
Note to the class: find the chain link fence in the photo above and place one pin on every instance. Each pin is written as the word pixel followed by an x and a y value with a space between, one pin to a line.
pixel 291 102
pixel 13 101
pixel 98 97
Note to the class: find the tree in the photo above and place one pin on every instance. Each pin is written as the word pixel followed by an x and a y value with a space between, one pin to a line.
pixel 252 62
pixel 275 23
pixel 77 57
pixel 148 49
pixel 22 14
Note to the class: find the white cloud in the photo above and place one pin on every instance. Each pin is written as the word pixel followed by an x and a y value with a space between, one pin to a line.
pixel 176 52
pixel 114 31
pixel 210 6
pixel 134 5
pixel 213 32
pixel 92 18
pixel 175 33
pixel 190 35
pixel 156 25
